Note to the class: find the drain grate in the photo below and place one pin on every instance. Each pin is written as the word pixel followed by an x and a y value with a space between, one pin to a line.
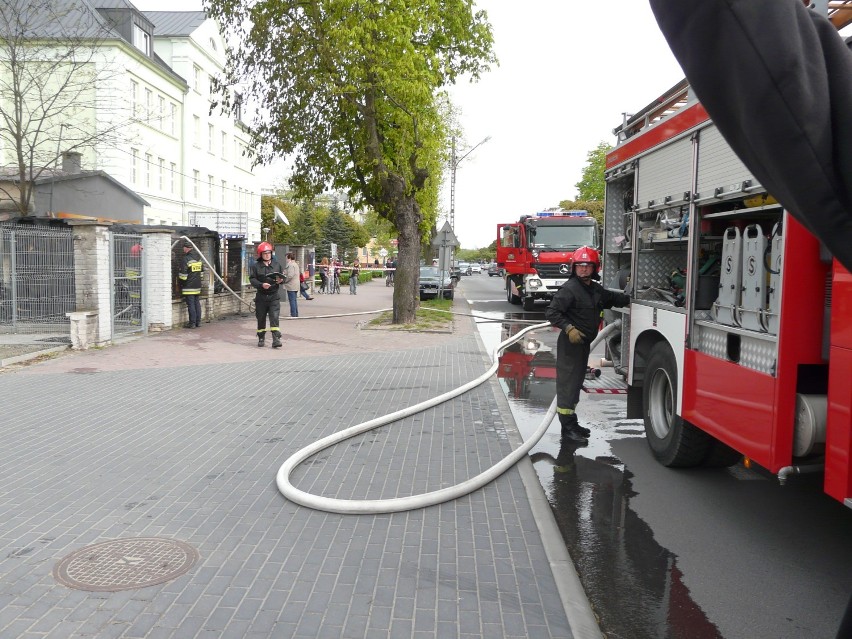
pixel 125 564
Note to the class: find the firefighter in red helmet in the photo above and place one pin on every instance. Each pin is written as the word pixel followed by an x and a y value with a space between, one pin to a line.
pixel 266 275
pixel 576 310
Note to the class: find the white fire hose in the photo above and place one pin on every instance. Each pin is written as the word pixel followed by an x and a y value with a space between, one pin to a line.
pixel 397 504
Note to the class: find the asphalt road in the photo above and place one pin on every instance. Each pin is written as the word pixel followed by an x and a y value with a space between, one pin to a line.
pixel 684 554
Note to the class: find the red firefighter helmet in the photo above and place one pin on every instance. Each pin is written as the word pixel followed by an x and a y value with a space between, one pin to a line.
pixel 263 246
pixel 586 255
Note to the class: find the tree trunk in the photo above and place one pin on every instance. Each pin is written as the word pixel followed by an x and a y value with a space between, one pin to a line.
pixel 405 290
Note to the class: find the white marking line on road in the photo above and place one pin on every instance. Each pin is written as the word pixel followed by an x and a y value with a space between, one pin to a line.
pixel 472 302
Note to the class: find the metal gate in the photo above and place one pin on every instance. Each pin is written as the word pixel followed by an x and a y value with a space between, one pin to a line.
pixel 126 284
pixel 37 286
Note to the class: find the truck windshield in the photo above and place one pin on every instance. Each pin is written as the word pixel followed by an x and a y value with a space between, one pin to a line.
pixel 563 237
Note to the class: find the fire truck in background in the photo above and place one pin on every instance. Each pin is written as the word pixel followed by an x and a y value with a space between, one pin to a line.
pixel 738 339
pixel 535 252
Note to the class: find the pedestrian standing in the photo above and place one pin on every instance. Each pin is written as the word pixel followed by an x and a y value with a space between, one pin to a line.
pixel 291 284
pixel 576 310
pixel 323 273
pixel 191 268
pixel 353 277
pixel 303 286
pixel 266 276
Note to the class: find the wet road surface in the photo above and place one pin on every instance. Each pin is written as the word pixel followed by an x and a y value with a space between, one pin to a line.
pixel 689 554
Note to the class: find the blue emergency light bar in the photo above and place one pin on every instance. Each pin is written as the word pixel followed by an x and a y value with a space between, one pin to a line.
pixel 562 214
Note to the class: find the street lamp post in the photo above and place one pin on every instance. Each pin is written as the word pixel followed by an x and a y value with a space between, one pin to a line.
pixel 454 163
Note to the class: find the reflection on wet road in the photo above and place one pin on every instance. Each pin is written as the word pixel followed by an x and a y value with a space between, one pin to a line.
pixel 633 584
pixel 663 552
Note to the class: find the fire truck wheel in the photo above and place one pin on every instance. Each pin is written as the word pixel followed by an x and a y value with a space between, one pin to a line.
pixel 512 299
pixel 674 442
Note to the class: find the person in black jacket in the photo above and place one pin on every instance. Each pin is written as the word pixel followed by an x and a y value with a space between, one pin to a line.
pixel 576 310
pixel 191 268
pixel 265 275
pixel 776 78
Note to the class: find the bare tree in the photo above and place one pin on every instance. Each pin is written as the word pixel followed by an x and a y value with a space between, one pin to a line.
pixel 57 90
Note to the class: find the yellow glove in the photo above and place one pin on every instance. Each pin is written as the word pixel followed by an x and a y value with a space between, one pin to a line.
pixel 575 336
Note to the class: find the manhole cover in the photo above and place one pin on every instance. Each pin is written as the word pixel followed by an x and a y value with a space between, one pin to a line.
pixel 125 564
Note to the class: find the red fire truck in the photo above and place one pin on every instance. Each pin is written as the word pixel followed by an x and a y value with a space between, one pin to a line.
pixel 535 252
pixel 738 339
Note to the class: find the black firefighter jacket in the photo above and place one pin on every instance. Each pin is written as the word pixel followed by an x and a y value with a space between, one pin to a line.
pixel 776 79
pixel 580 306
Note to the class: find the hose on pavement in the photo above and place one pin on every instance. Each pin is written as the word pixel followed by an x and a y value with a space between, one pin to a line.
pixel 398 504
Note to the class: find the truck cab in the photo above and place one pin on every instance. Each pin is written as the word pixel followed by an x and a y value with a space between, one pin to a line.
pixel 535 252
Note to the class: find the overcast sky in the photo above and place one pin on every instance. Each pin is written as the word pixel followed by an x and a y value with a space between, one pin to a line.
pixel 567 71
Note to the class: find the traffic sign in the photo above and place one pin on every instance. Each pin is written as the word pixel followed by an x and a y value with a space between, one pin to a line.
pixel 445 237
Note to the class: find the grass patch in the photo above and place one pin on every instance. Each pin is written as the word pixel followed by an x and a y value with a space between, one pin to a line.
pixel 427 320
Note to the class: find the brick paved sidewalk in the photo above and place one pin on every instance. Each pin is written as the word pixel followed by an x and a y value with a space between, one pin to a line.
pixel 179 436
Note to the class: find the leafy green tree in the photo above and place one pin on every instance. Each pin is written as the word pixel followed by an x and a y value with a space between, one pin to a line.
pixel 280 232
pixel 305 227
pixel 594 207
pixel 350 89
pixel 358 236
pixel 592 186
pixel 335 231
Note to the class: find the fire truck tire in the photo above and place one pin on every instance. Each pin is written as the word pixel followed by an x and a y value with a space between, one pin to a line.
pixel 674 442
pixel 512 299
pixel 529 303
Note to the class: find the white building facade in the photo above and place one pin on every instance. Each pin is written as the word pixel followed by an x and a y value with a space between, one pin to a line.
pixel 152 99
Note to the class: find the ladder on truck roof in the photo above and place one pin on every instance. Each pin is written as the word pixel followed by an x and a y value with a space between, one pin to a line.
pixel 839 14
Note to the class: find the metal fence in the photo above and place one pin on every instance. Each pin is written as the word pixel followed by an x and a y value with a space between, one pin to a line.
pixel 127 279
pixel 37 286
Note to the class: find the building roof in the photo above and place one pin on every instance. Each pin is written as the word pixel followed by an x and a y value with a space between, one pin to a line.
pixel 175 23
pixel 77 19
pixel 112 4
pixel 62 176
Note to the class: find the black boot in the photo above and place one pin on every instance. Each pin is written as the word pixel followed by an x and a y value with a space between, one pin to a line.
pixel 260 339
pixel 276 340
pixel 572 429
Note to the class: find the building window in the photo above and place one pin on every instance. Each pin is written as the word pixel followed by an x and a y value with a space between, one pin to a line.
pixel 149 105
pixel 210 189
pixel 172 177
pixel 210 138
pixel 224 190
pixel 224 145
pixel 196 79
pixel 161 176
pixel 162 112
pixel 148 170
pixel 238 107
pixel 141 39
pixel 196 178
pixel 172 118
pixel 196 131
pixel 134 97
pixel 134 166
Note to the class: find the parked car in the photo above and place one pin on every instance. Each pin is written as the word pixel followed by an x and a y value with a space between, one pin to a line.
pixel 464 267
pixel 493 269
pixel 430 283
pixel 476 267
